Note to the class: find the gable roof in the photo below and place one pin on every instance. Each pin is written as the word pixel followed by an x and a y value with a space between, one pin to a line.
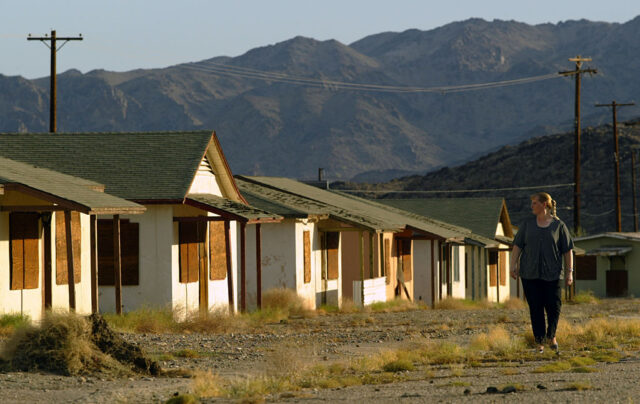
pixel 392 219
pixel 143 166
pixel 296 204
pixel 481 215
pixel 63 190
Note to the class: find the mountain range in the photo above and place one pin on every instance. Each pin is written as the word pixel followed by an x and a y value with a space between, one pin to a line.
pixel 269 125
pixel 543 163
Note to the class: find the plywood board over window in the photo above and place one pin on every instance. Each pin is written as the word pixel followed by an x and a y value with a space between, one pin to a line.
pixel 23 236
pixel 307 256
pixel 129 253
pixel 332 244
pixel 218 247
pixel 62 270
pixel 191 239
pixel 493 268
pixel 503 268
pixel 406 259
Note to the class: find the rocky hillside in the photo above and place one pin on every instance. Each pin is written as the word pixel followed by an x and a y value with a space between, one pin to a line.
pixel 276 128
pixel 544 160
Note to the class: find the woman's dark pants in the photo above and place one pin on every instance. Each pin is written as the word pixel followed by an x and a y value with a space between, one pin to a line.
pixel 543 296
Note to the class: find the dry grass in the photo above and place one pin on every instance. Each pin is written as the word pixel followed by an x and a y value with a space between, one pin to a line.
pixel 10 322
pixel 499 342
pixel 584 297
pixel 396 305
pixel 450 303
pixel 514 304
pixel 579 386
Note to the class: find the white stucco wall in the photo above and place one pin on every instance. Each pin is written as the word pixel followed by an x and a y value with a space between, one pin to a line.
pixel 306 291
pixel 205 181
pixel 457 286
pixel 155 277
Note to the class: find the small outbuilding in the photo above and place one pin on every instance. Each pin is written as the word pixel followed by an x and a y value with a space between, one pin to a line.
pixel 609 265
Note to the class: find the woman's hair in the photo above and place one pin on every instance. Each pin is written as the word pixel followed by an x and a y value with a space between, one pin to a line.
pixel 548 202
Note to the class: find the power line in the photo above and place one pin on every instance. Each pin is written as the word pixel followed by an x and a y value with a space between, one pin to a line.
pixel 455 191
pixel 237 71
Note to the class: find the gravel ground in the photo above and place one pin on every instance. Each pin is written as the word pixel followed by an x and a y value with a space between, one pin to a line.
pixel 327 338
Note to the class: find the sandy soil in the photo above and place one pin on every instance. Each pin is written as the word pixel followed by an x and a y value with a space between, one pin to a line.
pixel 285 346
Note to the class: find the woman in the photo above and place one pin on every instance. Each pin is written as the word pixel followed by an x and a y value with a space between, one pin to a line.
pixel 538 248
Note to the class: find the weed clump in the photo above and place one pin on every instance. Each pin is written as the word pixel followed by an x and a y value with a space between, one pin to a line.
pixel 284 300
pixel 584 297
pixel 69 344
pixel 10 322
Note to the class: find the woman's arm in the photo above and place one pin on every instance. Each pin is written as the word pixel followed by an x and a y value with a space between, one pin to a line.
pixel 515 261
pixel 568 267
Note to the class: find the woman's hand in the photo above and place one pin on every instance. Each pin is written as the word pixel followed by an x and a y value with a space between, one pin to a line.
pixel 568 278
pixel 514 272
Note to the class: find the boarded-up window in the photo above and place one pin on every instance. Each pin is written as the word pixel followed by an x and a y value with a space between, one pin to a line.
pixel 192 237
pixel 387 259
pixel 23 235
pixel 129 253
pixel 218 248
pixel 586 268
pixel 332 244
pixel 503 268
pixel 493 268
pixel 307 256
pixel 406 259
pixel 62 270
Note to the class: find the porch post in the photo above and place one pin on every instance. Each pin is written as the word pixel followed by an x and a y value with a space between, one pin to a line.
pixel 117 263
pixel 243 267
pixel 70 275
pixel 94 264
pixel 371 275
pixel 361 245
pixel 47 286
pixel 227 246
pixel 259 265
pixel 433 276
pixel 498 276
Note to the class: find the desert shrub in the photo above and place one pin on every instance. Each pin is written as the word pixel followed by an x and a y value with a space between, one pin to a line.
pixel 499 341
pixel 61 343
pixel 395 305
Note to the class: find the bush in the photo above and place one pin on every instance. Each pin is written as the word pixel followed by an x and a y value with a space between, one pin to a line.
pixel 284 300
pixel 10 322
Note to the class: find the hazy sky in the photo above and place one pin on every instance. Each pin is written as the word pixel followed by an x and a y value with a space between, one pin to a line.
pixel 127 34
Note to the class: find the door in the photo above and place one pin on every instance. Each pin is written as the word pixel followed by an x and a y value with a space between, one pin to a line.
pixel 617 283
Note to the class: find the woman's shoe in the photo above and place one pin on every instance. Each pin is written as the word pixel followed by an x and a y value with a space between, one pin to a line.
pixel 555 348
pixel 541 349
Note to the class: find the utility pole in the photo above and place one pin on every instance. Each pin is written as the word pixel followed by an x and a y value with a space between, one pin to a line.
pixel 576 170
pixel 616 158
pixel 53 46
pixel 634 148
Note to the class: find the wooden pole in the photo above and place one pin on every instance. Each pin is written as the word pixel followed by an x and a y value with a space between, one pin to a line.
pixel 616 159
pixel 433 276
pixel 243 267
pixel 576 170
pixel 47 267
pixel 361 245
pixel 633 189
pixel 117 263
pixel 95 308
pixel 227 246
pixel 371 274
pixel 70 274
pixel 259 265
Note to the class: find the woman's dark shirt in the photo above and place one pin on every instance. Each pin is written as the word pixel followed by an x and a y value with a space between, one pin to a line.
pixel 542 249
